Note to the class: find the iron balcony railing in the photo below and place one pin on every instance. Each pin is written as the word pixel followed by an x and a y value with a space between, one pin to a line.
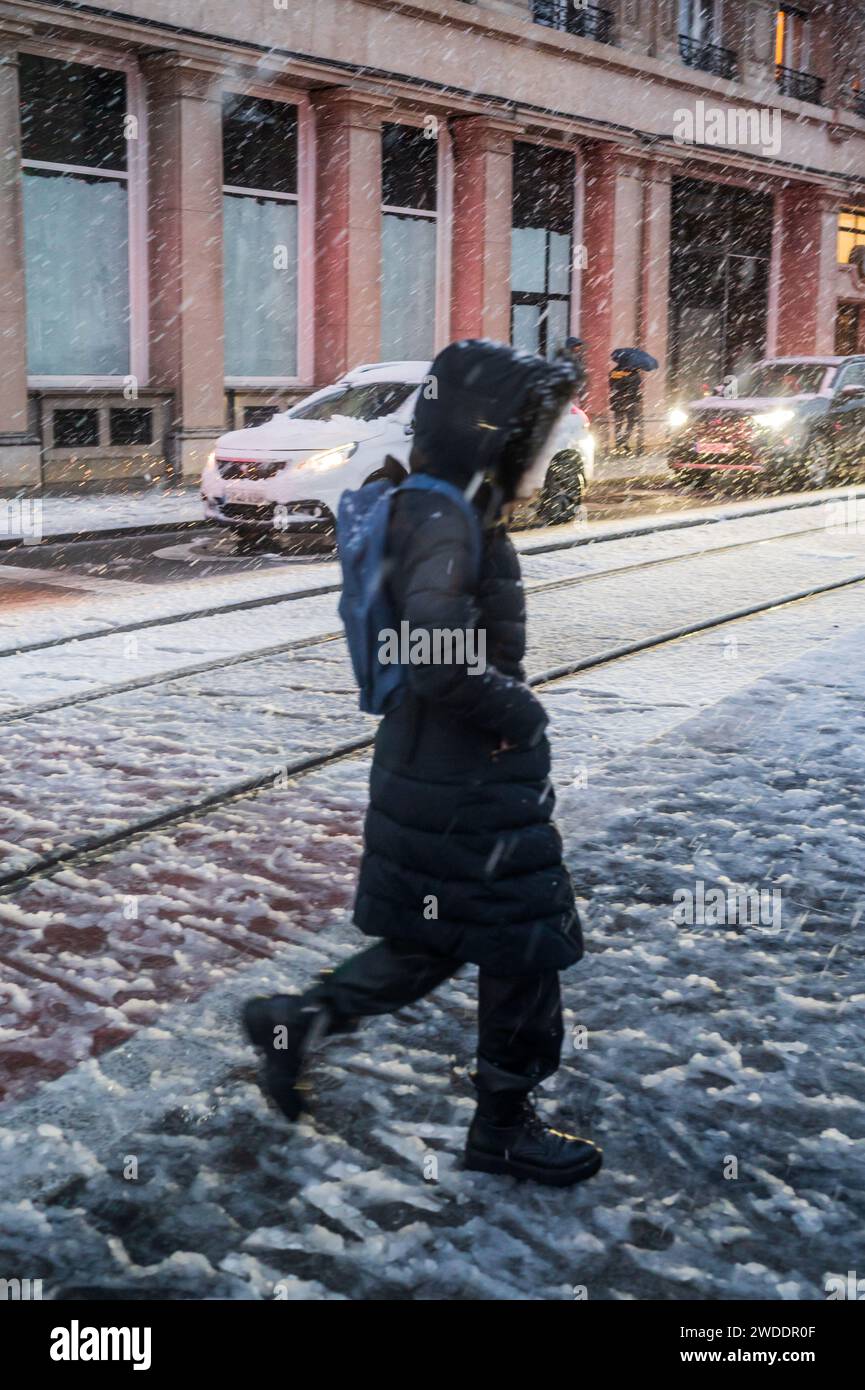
pixel 586 21
pixel 708 57
pixel 804 86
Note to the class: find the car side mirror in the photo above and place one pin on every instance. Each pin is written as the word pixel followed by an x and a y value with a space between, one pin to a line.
pixel 852 392
pixel 408 429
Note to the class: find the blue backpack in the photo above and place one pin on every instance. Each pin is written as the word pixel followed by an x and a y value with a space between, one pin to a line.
pixel 366 607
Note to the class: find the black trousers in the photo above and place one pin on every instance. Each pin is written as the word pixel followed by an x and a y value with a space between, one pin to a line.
pixel 519 1016
pixel 625 417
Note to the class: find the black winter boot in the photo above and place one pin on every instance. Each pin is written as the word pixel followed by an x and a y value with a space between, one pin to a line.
pixel 508 1136
pixel 284 1027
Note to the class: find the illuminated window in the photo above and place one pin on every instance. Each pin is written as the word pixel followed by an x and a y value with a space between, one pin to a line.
pixel 851 232
pixel 792 38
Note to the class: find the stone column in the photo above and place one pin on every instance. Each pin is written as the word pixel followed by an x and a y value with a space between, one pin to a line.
pixel 185 269
pixel 807 290
pixel 19 449
pixel 655 296
pixel 347 232
pixel 481 236
pixel 613 276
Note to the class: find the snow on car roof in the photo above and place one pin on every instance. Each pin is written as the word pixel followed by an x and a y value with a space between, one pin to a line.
pixel 387 371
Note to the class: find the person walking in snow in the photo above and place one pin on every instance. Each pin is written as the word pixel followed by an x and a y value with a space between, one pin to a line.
pixel 626 400
pixel 574 351
pixel 460 794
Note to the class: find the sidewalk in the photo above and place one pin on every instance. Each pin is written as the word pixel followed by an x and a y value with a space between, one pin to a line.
pixel 35 518
pixel 643 466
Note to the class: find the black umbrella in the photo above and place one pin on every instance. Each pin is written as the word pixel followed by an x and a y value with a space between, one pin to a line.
pixel 634 359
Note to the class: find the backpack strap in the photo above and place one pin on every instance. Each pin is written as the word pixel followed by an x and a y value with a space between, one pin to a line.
pixel 425 482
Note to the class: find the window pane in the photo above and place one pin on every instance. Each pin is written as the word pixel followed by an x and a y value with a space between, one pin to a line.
pixel 75 429
pixel 260 248
pixel 543 188
pixel 408 284
pixel 130 426
pixel 526 327
pixel 77 275
pixel 259 144
pixel 528 259
pixel 558 313
pixel 560 264
pixel 408 168
pixel 854 375
pixel 72 113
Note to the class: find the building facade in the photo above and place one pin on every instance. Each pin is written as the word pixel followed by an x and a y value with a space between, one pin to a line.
pixel 198 225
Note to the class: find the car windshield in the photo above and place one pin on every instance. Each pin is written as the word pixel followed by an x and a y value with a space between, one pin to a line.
pixel 368 402
pixel 783 379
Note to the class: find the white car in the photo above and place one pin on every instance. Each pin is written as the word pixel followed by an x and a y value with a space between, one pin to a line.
pixel 287 475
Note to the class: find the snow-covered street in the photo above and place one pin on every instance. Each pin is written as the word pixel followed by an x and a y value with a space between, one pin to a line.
pixel 717 1061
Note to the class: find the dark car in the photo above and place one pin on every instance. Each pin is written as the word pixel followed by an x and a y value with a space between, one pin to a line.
pixel 793 420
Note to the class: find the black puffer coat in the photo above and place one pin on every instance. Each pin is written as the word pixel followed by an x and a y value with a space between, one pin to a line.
pixel 460 852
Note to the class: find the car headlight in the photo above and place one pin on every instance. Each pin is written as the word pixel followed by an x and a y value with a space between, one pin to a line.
pixel 774 419
pixel 324 462
pixel 677 418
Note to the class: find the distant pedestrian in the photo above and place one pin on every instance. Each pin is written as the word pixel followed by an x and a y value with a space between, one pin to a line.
pixel 462 863
pixel 626 399
pixel 574 351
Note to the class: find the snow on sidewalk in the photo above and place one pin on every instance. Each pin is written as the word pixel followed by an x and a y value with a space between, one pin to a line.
pixel 723 1071
pixel 37 518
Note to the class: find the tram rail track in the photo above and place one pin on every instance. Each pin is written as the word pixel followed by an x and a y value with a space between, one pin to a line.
pixel 94 847
pixel 543 548
pixel 298 643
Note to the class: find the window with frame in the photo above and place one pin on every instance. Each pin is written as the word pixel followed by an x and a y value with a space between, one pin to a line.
pixel 74 163
pixel 541 248
pixel 792 38
pixel 260 237
pixel 409 227
pixel 851 232
pixel 699 20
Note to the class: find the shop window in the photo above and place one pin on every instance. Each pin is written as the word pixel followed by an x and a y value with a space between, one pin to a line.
pixel 76 217
pixel 720 250
pixel 543 213
pixel 260 232
pixel 408 243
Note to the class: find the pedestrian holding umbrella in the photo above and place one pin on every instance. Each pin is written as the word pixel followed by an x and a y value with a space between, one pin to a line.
pixel 626 392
